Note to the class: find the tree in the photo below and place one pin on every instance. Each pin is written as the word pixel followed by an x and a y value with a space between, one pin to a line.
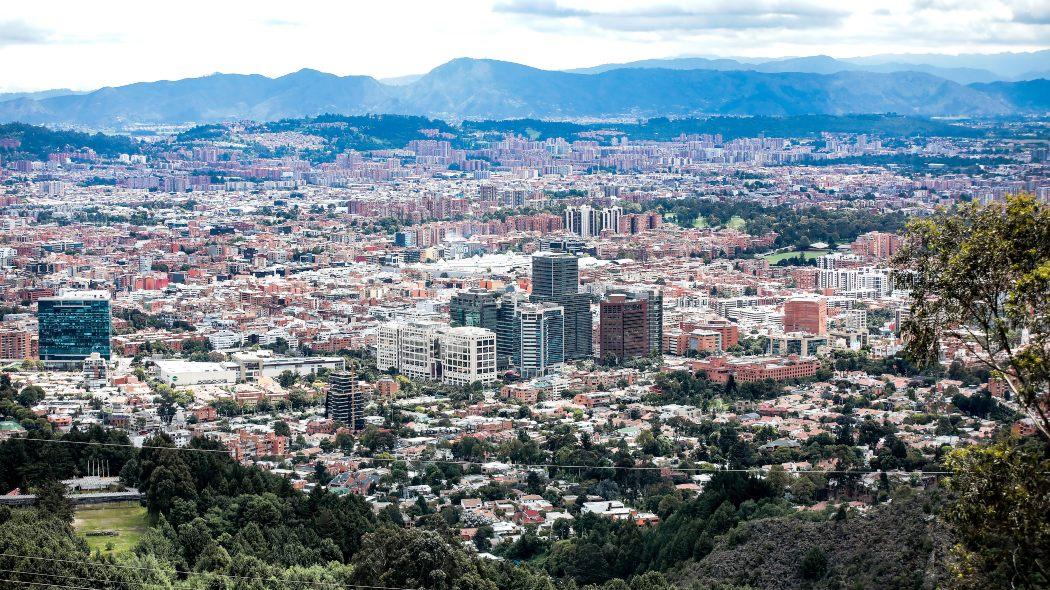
pixel 31 539
pixel 31 396
pixel 51 499
pixel 981 273
pixel 164 476
pixel 483 538
pixel 1000 514
pixel 281 428
pixel 414 558
pixel 287 379
pixel 814 564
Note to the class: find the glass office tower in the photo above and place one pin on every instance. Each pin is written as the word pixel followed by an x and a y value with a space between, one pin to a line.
pixel 73 326
pixel 556 279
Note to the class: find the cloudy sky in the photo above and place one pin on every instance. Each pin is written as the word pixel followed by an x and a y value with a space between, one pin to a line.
pixel 88 44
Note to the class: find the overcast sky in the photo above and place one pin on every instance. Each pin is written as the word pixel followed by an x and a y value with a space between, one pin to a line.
pixel 88 44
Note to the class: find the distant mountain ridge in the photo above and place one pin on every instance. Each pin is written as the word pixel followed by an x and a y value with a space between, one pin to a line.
pixel 818 64
pixel 488 89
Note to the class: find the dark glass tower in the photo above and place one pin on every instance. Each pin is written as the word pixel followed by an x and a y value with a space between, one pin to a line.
pixel 71 327
pixel 508 332
pixel 556 279
pixel 555 275
pixel 475 308
pixel 345 402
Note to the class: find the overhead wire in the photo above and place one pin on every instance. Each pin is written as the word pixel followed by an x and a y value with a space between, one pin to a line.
pixel 526 465
pixel 189 573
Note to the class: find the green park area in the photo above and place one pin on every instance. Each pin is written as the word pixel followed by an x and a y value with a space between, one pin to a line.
pixel 111 528
pixel 808 254
pixel 736 222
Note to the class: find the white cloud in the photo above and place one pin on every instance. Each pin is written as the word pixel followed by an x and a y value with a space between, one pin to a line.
pixel 77 44
pixel 19 32
pixel 696 16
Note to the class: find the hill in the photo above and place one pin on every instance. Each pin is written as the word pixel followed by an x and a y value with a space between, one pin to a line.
pixel 1032 95
pixel 893 546
pixel 818 64
pixel 38 142
pixel 490 89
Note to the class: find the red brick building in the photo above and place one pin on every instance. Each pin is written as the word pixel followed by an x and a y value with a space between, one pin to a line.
pixel 809 315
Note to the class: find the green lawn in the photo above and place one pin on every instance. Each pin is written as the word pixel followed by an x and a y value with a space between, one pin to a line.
pixel 809 254
pixel 700 222
pixel 737 223
pixel 127 520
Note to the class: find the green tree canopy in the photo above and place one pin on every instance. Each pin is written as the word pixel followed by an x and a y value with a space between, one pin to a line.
pixel 981 273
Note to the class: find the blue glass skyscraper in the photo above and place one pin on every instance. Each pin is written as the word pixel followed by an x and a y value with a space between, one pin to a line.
pixel 73 326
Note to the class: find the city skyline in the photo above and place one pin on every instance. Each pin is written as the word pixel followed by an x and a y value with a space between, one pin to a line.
pixel 534 294
pixel 68 45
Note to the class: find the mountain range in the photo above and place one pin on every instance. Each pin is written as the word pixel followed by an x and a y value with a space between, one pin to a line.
pixel 964 69
pixel 488 89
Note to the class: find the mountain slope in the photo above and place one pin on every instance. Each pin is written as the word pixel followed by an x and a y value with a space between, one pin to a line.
pixel 818 64
pixel 893 546
pixel 1031 95
pixel 494 89
pixel 1008 66
pixel 487 89
pixel 210 98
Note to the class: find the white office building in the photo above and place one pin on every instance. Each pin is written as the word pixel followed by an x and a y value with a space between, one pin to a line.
pixel 468 356
pixel 413 347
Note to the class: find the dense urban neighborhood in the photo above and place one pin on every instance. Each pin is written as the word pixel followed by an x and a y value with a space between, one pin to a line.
pixel 392 352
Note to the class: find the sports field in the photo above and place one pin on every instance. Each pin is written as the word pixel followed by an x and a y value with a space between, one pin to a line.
pixel 809 254
pixel 128 521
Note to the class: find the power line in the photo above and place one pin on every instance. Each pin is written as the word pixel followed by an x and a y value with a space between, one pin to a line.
pixel 530 465
pixel 123 445
pixel 48 584
pixel 121 582
pixel 654 467
pixel 189 573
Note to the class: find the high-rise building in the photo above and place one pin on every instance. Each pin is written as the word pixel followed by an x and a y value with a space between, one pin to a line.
pixel 555 275
pixel 431 351
pixel 611 219
pixel 346 401
pixel 579 326
pixel 556 279
pixel 95 370
pixel 508 331
pixel 475 308
pixel 412 347
pixel 388 346
pixel 623 328
pixel 583 220
pixel 468 355
pixel 728 331
pixel 541 327
pixel 73 326
pixel 17 344
pixel 654 311
pixel 588 222
pixel 806 314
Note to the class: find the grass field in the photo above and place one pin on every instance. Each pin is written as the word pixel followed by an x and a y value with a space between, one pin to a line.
pixel 737 223
pixel 127 520
pixel 700 222
pixel 809 254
